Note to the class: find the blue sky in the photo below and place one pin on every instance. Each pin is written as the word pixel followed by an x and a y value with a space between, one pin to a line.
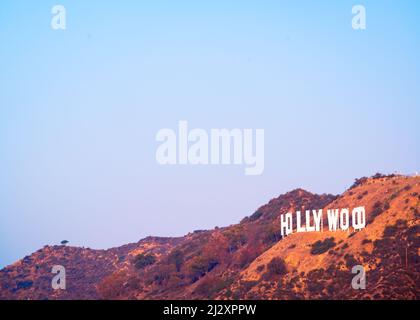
pixel 79 110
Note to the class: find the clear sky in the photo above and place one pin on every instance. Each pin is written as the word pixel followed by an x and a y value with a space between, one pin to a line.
pixel 79 110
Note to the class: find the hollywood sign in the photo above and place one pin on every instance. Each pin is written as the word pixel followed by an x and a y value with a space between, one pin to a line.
pixel 338 219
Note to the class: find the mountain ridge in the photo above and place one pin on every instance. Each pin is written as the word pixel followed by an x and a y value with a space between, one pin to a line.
pixel 247 260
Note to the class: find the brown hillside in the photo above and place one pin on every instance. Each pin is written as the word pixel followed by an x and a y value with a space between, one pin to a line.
pixel 249 260
pixel 387 248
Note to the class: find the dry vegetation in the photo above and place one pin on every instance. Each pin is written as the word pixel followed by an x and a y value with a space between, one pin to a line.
pixel 250 260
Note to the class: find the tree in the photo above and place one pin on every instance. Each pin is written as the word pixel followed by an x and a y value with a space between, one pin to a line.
pixel 64 242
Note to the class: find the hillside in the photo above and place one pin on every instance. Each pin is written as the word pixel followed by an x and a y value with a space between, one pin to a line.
pixel 30 277
pixel 388 248
pixel 249 260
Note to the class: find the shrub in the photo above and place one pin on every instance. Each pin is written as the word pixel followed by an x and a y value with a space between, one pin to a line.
pixel 361 196
pixel 394 195
pixel 210 286
pixel 246 256
pixel 112 286
pixel 276 267
pixel 143 260
pixel 320 247
pixel 176 257
pixel 378 208
pixel 407 187
pixel 255 216
pixel 315 287
pixel 162 274
pixel 378 176
pixel 260 268
pixel 273 234
pixel 350 261
pixel 200 266
pixel 390 231
pixel 358 182
pixel 24 284
pixel 247 285
pixel 236 237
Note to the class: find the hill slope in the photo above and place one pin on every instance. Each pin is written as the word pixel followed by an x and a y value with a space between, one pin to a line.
pixel 249 260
